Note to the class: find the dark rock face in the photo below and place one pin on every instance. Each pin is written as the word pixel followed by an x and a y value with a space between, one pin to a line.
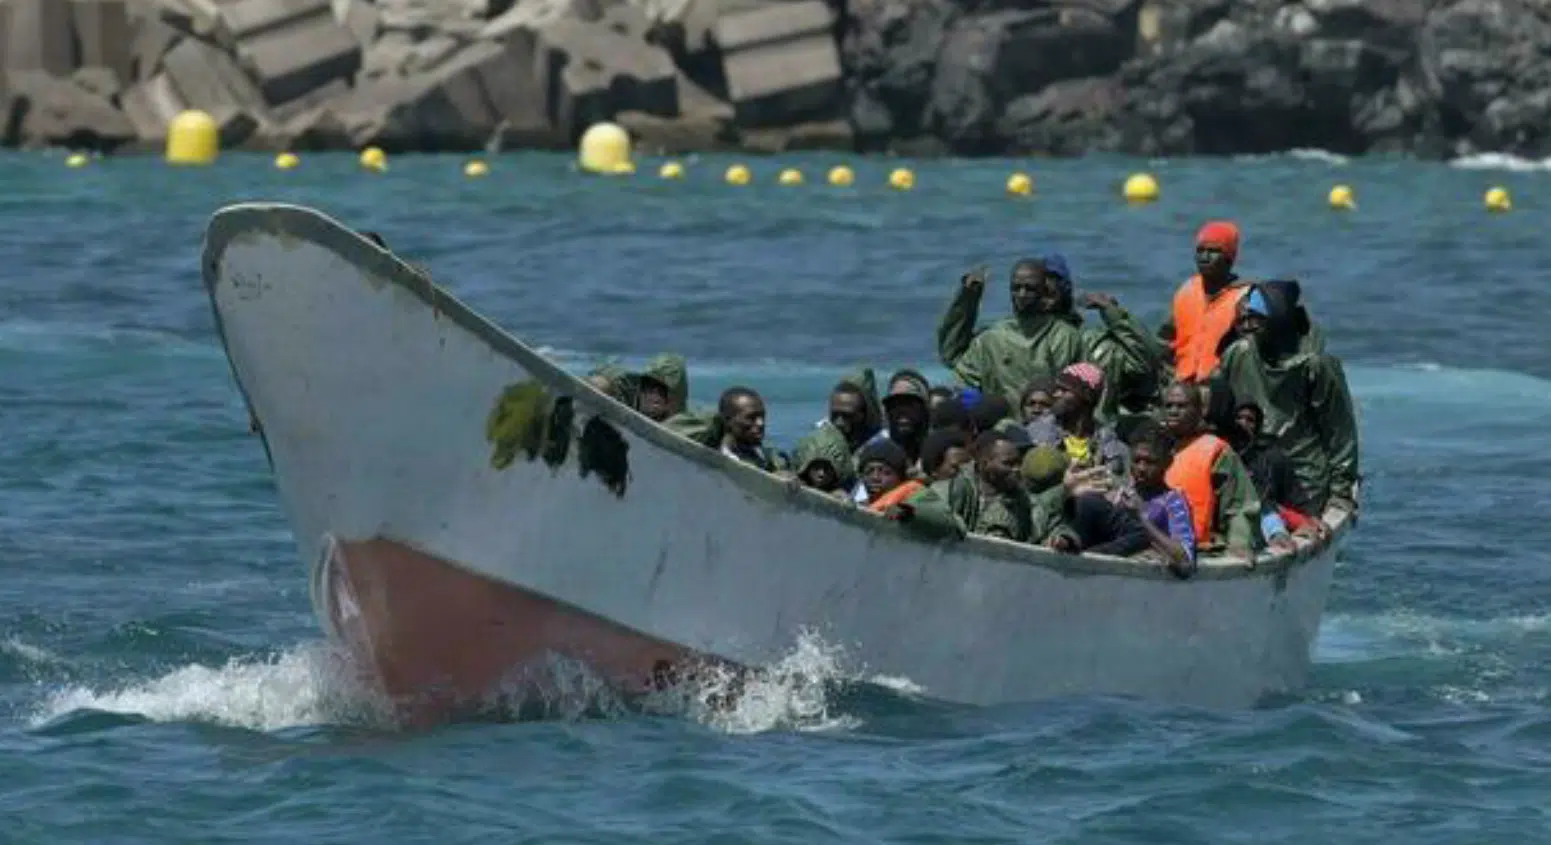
pixel 967 77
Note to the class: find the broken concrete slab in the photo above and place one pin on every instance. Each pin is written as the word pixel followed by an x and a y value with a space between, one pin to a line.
pixel 304 53
pixel 104 35
pixel 60 113
pixel 780 63
pixel 39 37
pixel 151 105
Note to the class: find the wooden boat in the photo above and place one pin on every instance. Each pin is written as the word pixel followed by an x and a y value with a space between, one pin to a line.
pixel 468 508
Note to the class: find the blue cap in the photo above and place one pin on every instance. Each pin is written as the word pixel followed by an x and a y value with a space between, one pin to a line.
pixel 1055 264
pixel 1256 303
pixel 970 398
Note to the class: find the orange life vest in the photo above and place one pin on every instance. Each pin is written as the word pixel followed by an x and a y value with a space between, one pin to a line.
pixel 1191 474
pixel 895 496
pixel 1199 326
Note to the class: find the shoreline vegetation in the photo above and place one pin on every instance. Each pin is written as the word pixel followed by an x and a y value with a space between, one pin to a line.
pixel 1432 79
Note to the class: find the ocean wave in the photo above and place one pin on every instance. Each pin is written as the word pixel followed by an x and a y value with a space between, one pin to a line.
pixel 1501 161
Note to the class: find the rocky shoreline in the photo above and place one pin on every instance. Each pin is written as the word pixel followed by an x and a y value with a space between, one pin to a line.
pixel 1435 78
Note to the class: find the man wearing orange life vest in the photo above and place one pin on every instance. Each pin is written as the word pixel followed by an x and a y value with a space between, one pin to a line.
pixel 1205 305
pixel 1224 505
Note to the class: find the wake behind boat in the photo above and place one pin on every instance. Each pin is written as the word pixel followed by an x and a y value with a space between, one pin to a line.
pixel 449 561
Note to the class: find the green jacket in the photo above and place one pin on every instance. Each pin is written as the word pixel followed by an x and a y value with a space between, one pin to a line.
pixel 1006 356
pixel 1128 354
pixel 1237 520
pixel 932 516
pixel 1308 415
pixel 1020 517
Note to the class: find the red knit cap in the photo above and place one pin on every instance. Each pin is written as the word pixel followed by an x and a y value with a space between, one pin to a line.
pixel 1220 234
pixel 1085 374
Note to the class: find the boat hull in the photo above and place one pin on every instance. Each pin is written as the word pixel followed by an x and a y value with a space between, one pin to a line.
pixel 469 508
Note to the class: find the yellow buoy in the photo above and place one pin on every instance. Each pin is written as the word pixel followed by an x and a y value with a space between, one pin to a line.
pixel 193 139
pixel 476 169
pixel 671 170
pixel 841 176
pixel 1497 199
pixel 287 161
pixel 1020 185
pixel 738 175
pixel 75 160
pixel 1342 198
pixel 790 176
pixel 374 159
pixel 605 148
pixel 902 179
pixel 1140 188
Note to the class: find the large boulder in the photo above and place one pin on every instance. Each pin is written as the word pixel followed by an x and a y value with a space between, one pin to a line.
pixel 889 50
pixel 990 60
pixel 49 111
pixel 1067 118
pixel 1485 66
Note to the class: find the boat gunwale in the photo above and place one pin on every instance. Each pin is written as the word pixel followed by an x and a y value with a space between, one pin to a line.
pixel 286 220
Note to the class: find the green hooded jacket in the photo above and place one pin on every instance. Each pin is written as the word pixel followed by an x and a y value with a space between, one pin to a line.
pixel 1236 523
pixel 1127 353
pixel 1308 413
pixel 1006 356
pixel 826 443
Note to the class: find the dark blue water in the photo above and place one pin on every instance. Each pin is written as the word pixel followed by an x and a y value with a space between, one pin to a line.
pixel 162 679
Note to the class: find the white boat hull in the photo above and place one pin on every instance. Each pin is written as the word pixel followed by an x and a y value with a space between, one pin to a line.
pixel 444 573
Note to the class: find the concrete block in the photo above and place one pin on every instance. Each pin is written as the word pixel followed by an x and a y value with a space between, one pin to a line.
pixel 247 18
pixel 60 113
pixel 105 36
pixel 40 37
pixel 299 56
pixel 515 90
pixel 360 17
pixel 199 18
pixel 153 39
pixel 151 105
pixel 211 81
pixel 594 70
pixel 780 63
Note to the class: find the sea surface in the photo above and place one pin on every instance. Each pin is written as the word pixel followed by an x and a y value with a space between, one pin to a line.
pixel 162 678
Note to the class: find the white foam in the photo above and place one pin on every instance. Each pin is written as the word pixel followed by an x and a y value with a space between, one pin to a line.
pixel 307 685
pixel 32 654
pixel 1324 156
pixel 1501 161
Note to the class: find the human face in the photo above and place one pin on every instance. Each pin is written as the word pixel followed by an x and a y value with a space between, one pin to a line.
pixel 953 460
pixel 879 478
pixel 1245 322
pixel 653 402
pixel 1028 287
pixel 747 423
pixel 1182 410
pixel 1037 404
pixel 1248 422
pixel 1148 467
pixel 907 416
pixel 999 466
pixel 1211 261
pixel 1066 403
pixel 822 476
pixel 848 412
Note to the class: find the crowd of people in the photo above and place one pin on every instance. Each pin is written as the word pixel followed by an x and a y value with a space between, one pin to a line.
pixel 1230 429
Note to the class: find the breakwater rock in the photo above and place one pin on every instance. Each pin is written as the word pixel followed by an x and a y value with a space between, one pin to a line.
pixel 967 77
